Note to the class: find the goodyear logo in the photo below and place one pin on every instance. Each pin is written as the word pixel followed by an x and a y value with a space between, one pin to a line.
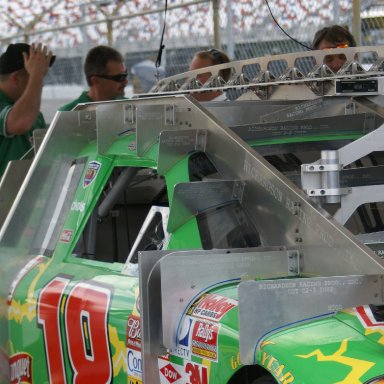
pixel 277 369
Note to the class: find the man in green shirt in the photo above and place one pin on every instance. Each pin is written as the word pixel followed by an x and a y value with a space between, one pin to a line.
pixel 22 71
pixel 106 76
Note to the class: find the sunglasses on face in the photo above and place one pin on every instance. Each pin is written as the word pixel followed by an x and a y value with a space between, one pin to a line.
pixel 344 45
pixel 119 78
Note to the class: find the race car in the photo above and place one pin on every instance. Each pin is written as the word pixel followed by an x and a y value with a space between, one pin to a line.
pixel 161 240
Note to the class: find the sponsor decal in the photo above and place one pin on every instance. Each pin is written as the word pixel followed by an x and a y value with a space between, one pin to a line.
pixel 170 373
pixel 367 318
pixel 196 373
pixel 30 265
pixel 78 206
pixel 189 373
pixel 134 381
pixel 132 146
pixel 134 364
pixel 182 348
pixel 204 340
pixel 20 366
pixel 134 332
pixel 66 236
pixel 277 369
pixel 211 307
pixel 91 173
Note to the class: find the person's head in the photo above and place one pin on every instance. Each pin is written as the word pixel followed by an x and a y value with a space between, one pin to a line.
pixel 209 58
pixel 335 36
pixel 106 73
pixel 13 75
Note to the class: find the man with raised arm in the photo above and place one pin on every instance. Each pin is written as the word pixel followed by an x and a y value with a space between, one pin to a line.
pixel 22 71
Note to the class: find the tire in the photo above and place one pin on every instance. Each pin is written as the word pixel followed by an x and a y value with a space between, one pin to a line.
pixel 267 379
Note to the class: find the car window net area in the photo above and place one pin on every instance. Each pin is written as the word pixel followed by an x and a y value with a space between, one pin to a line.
pixel 119 214
pixel 227 227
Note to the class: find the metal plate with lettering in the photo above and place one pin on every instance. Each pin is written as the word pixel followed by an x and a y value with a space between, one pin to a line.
pixel 293 302
pixel 357 86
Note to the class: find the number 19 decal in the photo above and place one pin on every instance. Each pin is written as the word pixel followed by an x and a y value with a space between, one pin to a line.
pixel 86 331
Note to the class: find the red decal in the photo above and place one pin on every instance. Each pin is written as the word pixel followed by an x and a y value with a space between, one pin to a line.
pixel 48 317
pixel 170 373
pixel 20 366
pixel 134 332
pixel 204 339
pixel 87 333
pixel 212 307
pixel 86 329
pixel 196 374
pixel 367 318
pixel 91 173
pixel 66 236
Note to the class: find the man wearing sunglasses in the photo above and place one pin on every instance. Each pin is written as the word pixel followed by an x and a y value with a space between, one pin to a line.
pixel 106 76
pixel 333 37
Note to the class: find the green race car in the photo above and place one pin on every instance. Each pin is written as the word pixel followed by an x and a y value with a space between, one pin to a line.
pixel 151 243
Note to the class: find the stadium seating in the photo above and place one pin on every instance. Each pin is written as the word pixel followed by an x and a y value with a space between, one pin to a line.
pixel 247 17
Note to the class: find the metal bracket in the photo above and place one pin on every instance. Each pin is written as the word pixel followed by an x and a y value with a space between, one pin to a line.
pixel 169 115
pixel 86 116
pixel 130 112
pixel 321 167
pixel 316 192
pixel 293 262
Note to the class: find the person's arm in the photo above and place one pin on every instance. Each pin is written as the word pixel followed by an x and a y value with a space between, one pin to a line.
pixel 25 110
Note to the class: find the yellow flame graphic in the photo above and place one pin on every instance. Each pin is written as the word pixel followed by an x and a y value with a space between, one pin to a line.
pixel 119 359
pixel 358 367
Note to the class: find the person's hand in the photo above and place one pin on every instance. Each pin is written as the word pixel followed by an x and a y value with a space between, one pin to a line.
pixel 38 60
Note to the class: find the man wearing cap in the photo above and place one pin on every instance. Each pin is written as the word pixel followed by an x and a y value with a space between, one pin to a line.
pixel 22 71
pixel 106 76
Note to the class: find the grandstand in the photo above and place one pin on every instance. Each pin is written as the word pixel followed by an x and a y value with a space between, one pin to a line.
pixel 71 27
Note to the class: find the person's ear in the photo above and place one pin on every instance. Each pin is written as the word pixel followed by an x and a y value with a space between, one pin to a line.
pixel 15 77
pixel 93 80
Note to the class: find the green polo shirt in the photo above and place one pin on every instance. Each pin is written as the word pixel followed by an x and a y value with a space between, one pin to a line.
pixel 14 147
pixel 83 98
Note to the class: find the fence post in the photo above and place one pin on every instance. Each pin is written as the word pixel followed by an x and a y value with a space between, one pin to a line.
pixel 216 24
pixel 356 21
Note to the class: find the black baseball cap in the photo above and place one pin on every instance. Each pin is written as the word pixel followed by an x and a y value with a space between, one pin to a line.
pixel 12 59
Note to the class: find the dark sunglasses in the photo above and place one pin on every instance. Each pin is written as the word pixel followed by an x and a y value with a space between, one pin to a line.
pixel 217 55
pixel 118 78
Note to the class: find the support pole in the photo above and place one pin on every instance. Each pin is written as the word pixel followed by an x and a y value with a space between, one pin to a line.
pixel 216 24
pixel 356 21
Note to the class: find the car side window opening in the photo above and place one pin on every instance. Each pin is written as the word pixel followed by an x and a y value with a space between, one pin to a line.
pixel 119 214
pixel 153 235
pixel 226 226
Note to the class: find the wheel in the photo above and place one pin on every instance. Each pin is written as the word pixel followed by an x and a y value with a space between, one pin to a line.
pixel 267 379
